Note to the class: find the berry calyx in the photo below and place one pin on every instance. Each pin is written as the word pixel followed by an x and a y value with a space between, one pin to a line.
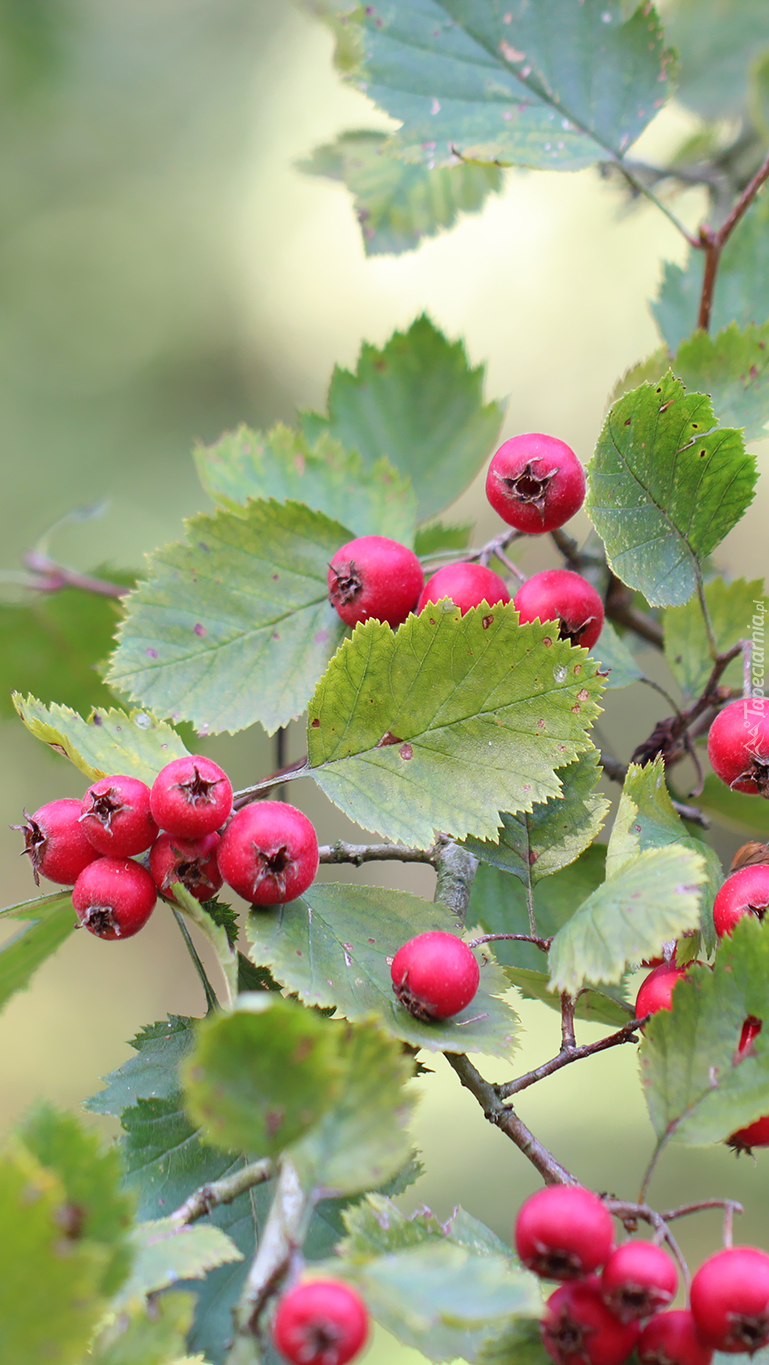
pixel 730 1299
pixel 373 577
pixel 738 746
pixel 191 796
pixel 656 991
pixel 637 1280
pixel 55 843
pixel 269 853
pixel 320 1322
pixel 578 1328
pixel 435 975
pixel 566 597
pixel 192 862
pixel 746 892
pixel 535 482
pixel 116 818
pixel 466 584
pixel 114 897
pixel 672 1339
pixel 563 1232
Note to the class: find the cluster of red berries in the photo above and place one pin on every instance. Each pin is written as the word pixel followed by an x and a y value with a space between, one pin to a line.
pixel 320 1322
pixel 266 852
pixel 565 1233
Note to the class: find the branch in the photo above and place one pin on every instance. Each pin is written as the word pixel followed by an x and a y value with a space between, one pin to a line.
pixel 568 1055
pixel 713 243
pixel 456 869
pixel 51 576
pixel 223 1191
pixel 298 769
pixel 281 1237
pixel 340 852
pixel 542 943
pixel 619 607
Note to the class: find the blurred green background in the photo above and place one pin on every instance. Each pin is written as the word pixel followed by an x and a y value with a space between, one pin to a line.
pixel 165 273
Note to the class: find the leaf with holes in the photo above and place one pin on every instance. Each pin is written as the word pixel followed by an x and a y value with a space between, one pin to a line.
pixel 735 609
pixel 108 742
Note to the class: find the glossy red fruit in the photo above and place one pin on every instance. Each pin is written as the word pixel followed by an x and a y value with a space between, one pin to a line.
pixel 738 746
pixel 191 796
pixel 750 1030
pixel 269 853
pixel 730 1299
pixel 563 1232
pixel 466 584
pixel 637 1280
pixel 578 1328
pixel 114 897
pixel 373 577
pixel 744 893
pixel 55 842
pixel 192 862
pixel 656 991
pixel 756 1134
pixel 116 818
pixel 320 1322
pixel 672 1339
pixel 566 597
pixel 535 482
pixel 435 975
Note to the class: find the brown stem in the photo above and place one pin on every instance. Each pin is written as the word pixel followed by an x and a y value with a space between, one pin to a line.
pixel 52 576
pixel 713 243
pixel 542 943
pixel 683 1210
pixel 574 1054
pixel 357 854
pixel 456 869
pixel 618 604
pixel 568 1040
pixel 223 1191
pixel 298 769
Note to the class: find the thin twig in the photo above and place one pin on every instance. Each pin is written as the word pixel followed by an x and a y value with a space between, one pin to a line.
pixel 713 243
pixel 241 798
pixel 683 1210
pixel 542 943
pixel 212 1002
pixel 341 852
pixel 627 1034
pixel 223 1191
pixel 51 576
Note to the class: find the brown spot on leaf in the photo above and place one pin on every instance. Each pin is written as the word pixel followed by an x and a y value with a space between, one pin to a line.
pixel 315 723
pixel 487 621
pixel 389 738
pixel 583 694
pixel 406 751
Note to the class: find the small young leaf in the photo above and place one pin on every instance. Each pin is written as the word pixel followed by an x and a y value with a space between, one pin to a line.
pixel 437 536
pixel 614 655
pixel 732 607
pixel 49 922
pixel 165 1252
pixel 108 742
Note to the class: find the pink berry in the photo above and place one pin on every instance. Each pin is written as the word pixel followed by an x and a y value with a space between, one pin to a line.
pixel 55 842
pixel 578 1328
pixel 730 1299
pixel 535 482
pixel 466 584
pixel 566 597
pixel 637 1280
pixel 373 577
pixel 563 1232
pixel 755 1135
pixel 656 991
pixel 738 746
pixel 116 818
pixel 191 796
pixel 672 1339
pixel 744 893
pixel 435 975
pixel 114 897
pixel 269 853
pixel 192 862
pixel 320 1322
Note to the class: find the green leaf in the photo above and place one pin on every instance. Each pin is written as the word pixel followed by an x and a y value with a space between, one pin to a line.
pixel 712 36
pixel 216 929
pixel 398 204
pixel 653 897
pixel 234 625
pixel 418 403
pixel 731 607
pixel 519 1344
pixel 436 536
pixel 331 947
pixel 108 742
pixel 376 1227
pixel 449 720
pixel 283 465
pixel 166 1252
pixel 665 486
pixel 735 810
pixel 556 85
pixel 146 1335
pixel 613 653
pixel 49 921
pixel 597 1006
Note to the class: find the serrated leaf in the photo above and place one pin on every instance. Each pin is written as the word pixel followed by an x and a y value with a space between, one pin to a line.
pixel 436 536
pixel 731 607
pixel 735 810
pixel 472 714
pixel 418 403
pixel 665 485
pixel 111 741
pixel 140 1335
pixel 612 652
pixel 652 898
pixel 556 85
pixel 398 204
pixel 282 464
pixel 165 1252
pixel 331 947
pixel 599 1007
pixel 49 922
pixel 376 1226
pixel 519 1344
pixel 234 625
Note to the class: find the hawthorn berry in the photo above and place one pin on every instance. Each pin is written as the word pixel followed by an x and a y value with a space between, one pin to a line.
pixel 672 1339
pixel 535 482
pixel 269 853
pixel 746 892
pixel 55 842
pixel 373 577
pixel 563 1232
pixel 116 818
pixel 435 975
pixel 114 897
pixel 466 584
pixel 730 1299
pixel 191 796
pixel 637 1280
pixel 750 1030
pixel 738 746
pixel 320 1322
pixel 756 1134
pixel 192 862
pixel 566 597
pixel 578 1328
pixel 656 991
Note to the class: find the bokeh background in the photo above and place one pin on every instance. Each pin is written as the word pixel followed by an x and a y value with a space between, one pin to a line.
pixel 165 273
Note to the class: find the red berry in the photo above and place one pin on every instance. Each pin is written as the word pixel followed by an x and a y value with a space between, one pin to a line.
pixel 672 1339
pixel 578 1328
pixel 466 584
pixel 750 1030
pixel 563 1232
pixel 191 796
pixel 435 975
pixel 744 893
pixel 638 1279
pixel 730 1299
pixel 566 597
pixel 116 818
pixel 738 746
pixel 373 577
pixel 269 853
pixel 656 991
pixel 55 842
pixel 114 897
pixel 535 482
pixel 755 1135
pixel 189 861
pixel 320 1322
